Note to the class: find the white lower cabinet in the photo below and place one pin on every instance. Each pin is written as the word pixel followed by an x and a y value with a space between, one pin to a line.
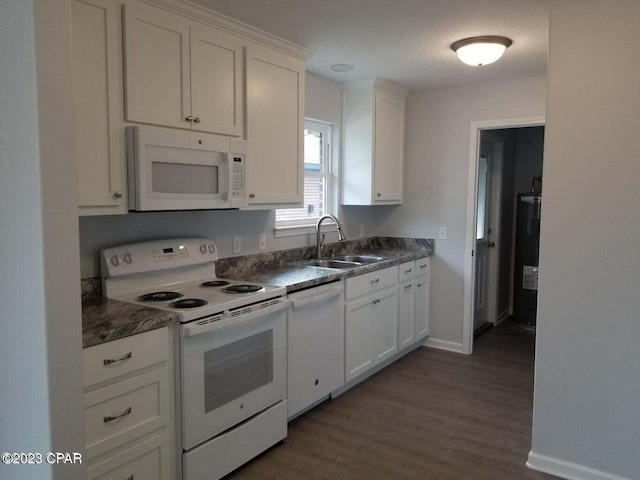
pixel 406 314
pixel 422 300
pixel 147 460
pixel 371 321
pixel 128 404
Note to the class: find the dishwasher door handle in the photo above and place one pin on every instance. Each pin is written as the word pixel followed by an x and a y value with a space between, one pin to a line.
pixel 311 299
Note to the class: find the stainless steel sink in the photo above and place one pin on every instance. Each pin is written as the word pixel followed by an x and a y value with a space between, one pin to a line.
pixel 333 263
pixel 359 258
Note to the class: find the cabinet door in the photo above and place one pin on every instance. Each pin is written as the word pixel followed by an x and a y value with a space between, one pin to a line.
pixel 422 307
pixel 275 122
pixel 405 315
pixel 217 96
pixel 389 148
pixel 384 324
pixel 150 459
pixel 358 337
pixel 97 92
pixel 157 68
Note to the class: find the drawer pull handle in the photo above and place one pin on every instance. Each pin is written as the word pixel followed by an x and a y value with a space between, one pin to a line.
pixel 408 271
pixel 423 266
pixel 109 361
pixel 375 281
pixel 407 287
pixel 115 417
pixel 419 285
pixel 376 301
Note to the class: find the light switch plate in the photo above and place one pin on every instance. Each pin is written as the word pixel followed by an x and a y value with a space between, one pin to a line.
pixel 262 242
pixel 442 234
pixel 237 244
pixel 361 230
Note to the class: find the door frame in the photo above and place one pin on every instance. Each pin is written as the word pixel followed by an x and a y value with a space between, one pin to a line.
pixel 470 236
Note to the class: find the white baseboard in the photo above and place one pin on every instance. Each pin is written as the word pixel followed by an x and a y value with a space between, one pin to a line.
pixel 443 345
pixel 568 470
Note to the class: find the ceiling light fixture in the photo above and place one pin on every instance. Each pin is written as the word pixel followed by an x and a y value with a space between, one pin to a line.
pixel 481 50
pixel 341 67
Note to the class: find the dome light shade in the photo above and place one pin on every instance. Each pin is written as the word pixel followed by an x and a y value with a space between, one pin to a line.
pixel 477 51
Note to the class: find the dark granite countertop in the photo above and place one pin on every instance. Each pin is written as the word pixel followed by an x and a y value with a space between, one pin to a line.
pixel 104 320
pixel 294 275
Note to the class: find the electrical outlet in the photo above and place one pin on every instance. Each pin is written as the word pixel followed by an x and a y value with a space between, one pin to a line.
pixel 262 242
pixel 237 244
pixel 361 230
pixel 442 234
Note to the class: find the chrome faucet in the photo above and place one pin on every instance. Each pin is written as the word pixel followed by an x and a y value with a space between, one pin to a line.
pixel 320 239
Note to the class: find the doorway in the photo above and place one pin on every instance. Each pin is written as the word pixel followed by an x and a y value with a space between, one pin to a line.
pixel 504 157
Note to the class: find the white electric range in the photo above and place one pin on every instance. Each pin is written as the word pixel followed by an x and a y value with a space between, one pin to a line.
pixel 231 354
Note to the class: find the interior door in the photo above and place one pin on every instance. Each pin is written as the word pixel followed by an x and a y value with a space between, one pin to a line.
pixel 480 316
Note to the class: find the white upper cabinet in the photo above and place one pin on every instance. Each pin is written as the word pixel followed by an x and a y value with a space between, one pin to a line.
pixel 182 75
pixel 275 123
pixel 98 103
pixel 373 143
pixel 217 91
pixel 174 64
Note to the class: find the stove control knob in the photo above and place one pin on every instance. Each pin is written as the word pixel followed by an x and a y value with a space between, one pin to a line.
pixel 212 248
pixel 128 259
pixel 115 261
pixel 203 249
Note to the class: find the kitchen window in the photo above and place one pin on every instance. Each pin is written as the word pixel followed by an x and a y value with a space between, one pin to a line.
pixel 317 182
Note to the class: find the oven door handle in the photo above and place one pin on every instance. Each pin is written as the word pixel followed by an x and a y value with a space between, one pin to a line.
pixel 193 328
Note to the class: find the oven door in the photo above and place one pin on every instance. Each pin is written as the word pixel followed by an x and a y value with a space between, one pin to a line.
pixel 231 369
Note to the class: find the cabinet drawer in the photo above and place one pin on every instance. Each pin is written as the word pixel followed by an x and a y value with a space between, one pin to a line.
pixel 370 282
pixel 112 359
pixel 123 411
pixel 148 460
pixel 406 271
pixel 422 266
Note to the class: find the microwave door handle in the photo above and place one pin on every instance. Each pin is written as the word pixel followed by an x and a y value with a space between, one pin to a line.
pixel 191 329
pixel 228 177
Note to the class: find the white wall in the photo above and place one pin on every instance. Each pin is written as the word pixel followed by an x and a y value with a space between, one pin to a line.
pixel 436 170
pixel 587 381
pixel 60 244
pixel 24 409
pixel 41 394
pixel 323 102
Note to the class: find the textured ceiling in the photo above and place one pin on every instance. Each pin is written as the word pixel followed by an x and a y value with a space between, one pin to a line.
pixel 406 42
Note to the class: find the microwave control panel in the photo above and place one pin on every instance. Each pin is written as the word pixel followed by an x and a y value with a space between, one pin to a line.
pixel 237 176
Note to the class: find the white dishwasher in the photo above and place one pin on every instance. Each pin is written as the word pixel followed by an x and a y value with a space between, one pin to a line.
pixel 315 346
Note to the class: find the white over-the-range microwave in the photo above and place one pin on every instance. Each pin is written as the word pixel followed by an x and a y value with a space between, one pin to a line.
pixel 177 170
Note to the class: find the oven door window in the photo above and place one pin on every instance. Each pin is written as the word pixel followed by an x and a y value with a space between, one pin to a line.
pixel 236 369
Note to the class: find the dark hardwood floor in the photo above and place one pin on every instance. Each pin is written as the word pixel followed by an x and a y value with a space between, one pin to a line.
pixel 431 415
